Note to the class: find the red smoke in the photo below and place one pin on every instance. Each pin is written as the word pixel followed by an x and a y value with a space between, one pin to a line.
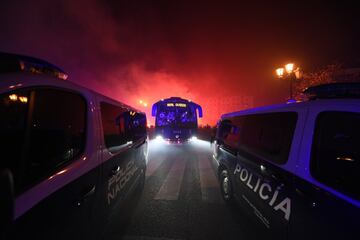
pixel 129 57
pixel 221 56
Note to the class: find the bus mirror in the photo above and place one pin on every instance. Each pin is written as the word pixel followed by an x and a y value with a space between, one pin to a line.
pixel 199 108
pixel 154 110
pixel 7 201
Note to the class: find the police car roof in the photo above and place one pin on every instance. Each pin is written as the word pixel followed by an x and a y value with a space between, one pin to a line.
pixel 333 90
pixel 12 81
pixel 10 63
pixel 286 107
pixel 332 93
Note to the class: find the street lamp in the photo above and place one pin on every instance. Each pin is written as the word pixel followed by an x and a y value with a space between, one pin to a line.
pixel 291 73
pixel 280 72
pixel 289 68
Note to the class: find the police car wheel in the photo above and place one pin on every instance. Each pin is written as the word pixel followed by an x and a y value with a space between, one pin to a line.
pixel 226 187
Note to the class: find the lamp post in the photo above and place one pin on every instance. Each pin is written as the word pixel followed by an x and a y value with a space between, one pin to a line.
pixel 288 71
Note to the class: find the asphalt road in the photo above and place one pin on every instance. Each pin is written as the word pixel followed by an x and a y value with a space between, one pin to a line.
pixel 181 198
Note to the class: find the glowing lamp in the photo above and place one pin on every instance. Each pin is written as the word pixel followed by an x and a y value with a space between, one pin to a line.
pixel 280 72
pixel 289 67
pixel 23 99
pixel 13 97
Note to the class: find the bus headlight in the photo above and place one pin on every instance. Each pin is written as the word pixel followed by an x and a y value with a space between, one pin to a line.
pixel 159 138
pixel 194 138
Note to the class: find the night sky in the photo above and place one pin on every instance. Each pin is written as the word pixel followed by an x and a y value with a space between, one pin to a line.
pixel 220 54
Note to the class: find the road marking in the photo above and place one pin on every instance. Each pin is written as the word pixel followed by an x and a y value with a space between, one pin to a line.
pixel 153 164
pixel 172 184
pixel 208 181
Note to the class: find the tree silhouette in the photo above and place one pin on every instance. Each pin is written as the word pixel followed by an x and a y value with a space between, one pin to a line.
pixel 322 76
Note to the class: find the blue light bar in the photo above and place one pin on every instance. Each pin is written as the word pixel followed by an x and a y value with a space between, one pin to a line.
pixel 333 90
pixel 18 63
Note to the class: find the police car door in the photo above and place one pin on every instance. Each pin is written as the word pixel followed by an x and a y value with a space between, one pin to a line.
pixel 262 186
pixel 119 165
pixel 43 134
pixel 326 200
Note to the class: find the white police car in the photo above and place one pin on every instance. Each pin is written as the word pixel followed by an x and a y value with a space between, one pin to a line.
pixel 70 157
pixel 295 168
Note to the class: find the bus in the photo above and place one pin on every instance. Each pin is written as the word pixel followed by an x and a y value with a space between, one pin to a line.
pixel 176 119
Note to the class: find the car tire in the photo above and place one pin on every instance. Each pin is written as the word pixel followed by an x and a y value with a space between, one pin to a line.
pixel 226 187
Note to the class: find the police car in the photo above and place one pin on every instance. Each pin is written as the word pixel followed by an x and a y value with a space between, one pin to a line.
pixel 71 159
pixel 294 168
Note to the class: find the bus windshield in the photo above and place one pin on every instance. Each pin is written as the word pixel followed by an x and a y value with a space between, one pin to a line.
pixel 176 116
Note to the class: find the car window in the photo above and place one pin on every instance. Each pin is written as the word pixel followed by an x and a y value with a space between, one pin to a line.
pixel 229 133
pixel 41 130
pixel 57 128
pixel 139 126
pixel 335 157
pixel 116 126
pixel 268 135
pixel 13 112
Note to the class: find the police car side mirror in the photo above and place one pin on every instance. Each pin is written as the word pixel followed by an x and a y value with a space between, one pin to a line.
pixel 7 201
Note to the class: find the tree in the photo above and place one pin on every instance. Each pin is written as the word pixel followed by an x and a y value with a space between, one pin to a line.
pixel 323 76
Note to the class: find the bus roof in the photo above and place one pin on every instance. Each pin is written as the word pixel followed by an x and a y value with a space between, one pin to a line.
pixel 176 100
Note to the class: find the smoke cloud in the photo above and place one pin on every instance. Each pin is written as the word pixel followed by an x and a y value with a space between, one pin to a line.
pixel 221 56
